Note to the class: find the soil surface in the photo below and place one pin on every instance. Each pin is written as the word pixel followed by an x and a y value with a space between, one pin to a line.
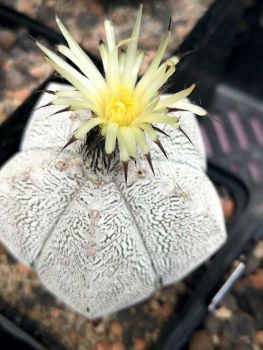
pixel 23 66
pixel 238 322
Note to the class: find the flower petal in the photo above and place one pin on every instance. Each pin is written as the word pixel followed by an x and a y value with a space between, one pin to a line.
pixel 140 139
pixel 72 75
pixel 150 73
pixel 189 107
pixel 124 154
pixel 84 62
pixel 113 71
pixel 69 93
pixel 110 36
pixel 149 108
pixel 149 130
pixel 159 80
pixel 104 53
pixel 131 53
pixel 170 100
pixel 129 139
pixel 74 104
pixel 82 131
pixel 113 68
pixel 110 138
pixel 161 118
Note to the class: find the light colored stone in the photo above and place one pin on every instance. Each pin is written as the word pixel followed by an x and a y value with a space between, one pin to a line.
pixel 258 251
pixel 223 313
pixel 7 39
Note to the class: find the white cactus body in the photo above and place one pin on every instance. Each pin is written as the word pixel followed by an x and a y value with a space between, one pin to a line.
pixel 96 243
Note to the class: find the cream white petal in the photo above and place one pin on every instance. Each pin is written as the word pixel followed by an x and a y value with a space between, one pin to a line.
pixel 170 100
pixel 124 154
pixel 149 108
pixel 84 61
pixel 140 139
pixel 110 36
pixel 70 93
pixel 111 135
pixel 189 107
pixel 69 54
pixel 136 68
pixel 104 53
pixel 157 83
pixel 72 75
pixel 129 139
pixel 113 71
pixel 161 118
pixel 82 131
pixel 131 53
pixel 74 104
pixel 78 84
pixel 122 61
pixel 149 75
pixel 113 68
pixel 149 130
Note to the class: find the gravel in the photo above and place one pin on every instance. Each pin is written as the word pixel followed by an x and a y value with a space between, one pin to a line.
pixel 23 65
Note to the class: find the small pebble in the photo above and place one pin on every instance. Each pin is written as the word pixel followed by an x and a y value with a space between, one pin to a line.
pixel 256 279
pixel 102 346
pixel 228 207
pixel 7 67
pixel 213 324
pixel 40 71
pixel 215 339
pixel 117 346
pixel 24 269
pixel 117 328
pixel 19 94
pixel 259 337
pixel 224 342
pixel 182 30
pixel 100 328
pixel 257 347
pixel 230 302
pixel 154 305
pixel 96 8
pixel 56 312
pixel 139 344
pixel 3 116
pixel 86 21
pixel 242 324
pixel 201 340
pixel 258 251
pixel 26 6
pixel 252 264
pixel 223 313
pixel 15 80
pixel 243 344
pixel 180 287
pixel 166 310
pixel 7 39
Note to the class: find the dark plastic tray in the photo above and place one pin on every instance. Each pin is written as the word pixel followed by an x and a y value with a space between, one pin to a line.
pixel 211 48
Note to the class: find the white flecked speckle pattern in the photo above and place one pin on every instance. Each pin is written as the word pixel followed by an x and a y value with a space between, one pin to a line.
pixel 96 243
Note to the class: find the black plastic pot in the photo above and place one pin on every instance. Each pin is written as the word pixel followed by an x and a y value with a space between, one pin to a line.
pixel 229 159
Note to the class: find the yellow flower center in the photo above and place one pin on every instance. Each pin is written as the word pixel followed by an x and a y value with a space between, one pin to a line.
pixel 121 108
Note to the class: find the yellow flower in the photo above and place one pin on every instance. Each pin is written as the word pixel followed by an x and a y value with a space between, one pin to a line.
pixel 125 109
